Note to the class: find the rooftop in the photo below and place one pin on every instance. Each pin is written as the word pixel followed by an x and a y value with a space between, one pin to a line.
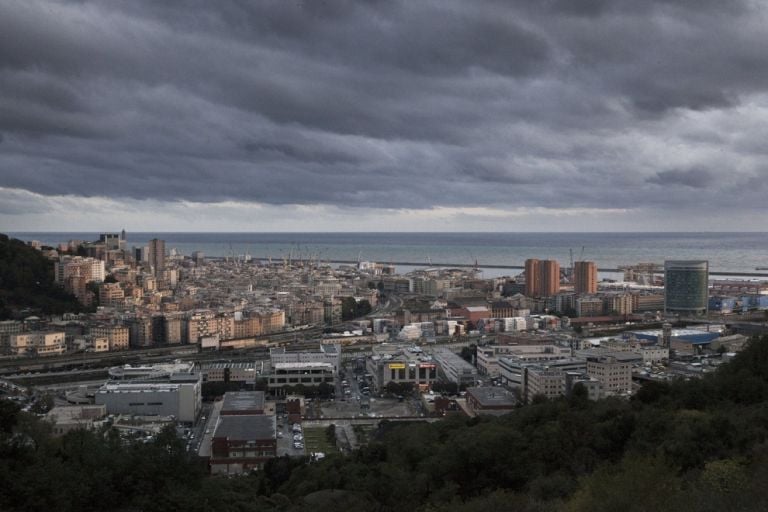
pixel 243 401
pixel 307 365
pixel 245 428
pixel 492 396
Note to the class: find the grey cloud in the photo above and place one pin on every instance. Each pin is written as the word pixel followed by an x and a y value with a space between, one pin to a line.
pixel 389 104
pixel 694 178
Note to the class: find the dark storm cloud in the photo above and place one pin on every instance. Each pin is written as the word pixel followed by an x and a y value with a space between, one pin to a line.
pixel 694 178
pixel 402 104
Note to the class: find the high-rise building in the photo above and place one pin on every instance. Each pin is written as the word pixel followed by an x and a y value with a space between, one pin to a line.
pixel 110 240
pixel 532 283
pixel 549 277
pixel 542 278
pixel 585 277
pixel 686 286
pixel 157 255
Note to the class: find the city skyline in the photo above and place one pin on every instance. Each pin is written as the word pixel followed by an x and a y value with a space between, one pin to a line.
pixel 400 116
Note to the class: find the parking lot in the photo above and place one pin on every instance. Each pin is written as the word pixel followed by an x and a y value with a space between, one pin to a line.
pixel 357 406
pixel 285 439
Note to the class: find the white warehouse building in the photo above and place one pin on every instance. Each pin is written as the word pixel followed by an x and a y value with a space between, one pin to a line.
pixel 180 397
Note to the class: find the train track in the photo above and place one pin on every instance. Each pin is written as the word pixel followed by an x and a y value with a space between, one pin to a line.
pixel 183 352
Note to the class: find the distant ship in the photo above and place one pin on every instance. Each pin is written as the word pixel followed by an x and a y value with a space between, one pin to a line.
pixel 761 268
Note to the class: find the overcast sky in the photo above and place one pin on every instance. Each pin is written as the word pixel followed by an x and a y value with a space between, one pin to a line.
pixel 326 115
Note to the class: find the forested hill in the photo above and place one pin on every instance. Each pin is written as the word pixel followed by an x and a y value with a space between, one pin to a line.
pixel 692 446
pixel 26 282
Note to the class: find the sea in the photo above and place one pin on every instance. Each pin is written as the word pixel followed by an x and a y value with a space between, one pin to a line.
pixel 730 252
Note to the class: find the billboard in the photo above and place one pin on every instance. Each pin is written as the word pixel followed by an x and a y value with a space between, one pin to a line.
pixel 397 366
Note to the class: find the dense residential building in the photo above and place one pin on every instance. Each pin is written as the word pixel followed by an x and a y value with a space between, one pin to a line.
pixel 37 343
pixel 7 329
pixel 74 274
pixel 118 335
pixel 140 330
pixel 589 306
pixel 90 269
pixel 111 294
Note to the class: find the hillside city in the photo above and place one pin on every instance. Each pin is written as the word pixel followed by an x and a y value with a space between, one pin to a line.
pixel 248 360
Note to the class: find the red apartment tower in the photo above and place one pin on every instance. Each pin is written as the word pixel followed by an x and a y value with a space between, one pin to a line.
pixel 549 277
pixel 585 277
pixel 532 283
pixel 542 278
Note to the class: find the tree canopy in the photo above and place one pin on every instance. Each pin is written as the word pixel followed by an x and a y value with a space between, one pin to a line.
pixel 681 445
pixel 27 282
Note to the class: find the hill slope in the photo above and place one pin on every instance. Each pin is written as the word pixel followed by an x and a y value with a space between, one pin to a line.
pixel 26 282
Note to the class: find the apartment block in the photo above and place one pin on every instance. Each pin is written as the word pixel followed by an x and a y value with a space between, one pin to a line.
pixel 37 343
pixel 614 375
pixel 118 335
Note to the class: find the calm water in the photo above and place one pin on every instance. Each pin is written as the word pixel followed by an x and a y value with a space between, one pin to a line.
pixel 738 252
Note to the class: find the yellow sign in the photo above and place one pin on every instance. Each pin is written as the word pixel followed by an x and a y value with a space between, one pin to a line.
pixel 397 366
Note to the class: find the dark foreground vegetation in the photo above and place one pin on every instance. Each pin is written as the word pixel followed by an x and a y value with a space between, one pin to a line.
pixel 26 283
pixel 697 445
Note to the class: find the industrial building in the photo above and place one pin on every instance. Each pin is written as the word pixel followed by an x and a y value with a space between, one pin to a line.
pixel 325 353
pixel 178 396
pixel 246 371
pixel 306 374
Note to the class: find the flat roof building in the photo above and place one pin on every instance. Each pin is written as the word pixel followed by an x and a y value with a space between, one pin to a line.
pixel 241 403
pixel 490 400
pixel 242 443
pixel 454 368
pixel 325 353
pixel 179 397
pixel 305 374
